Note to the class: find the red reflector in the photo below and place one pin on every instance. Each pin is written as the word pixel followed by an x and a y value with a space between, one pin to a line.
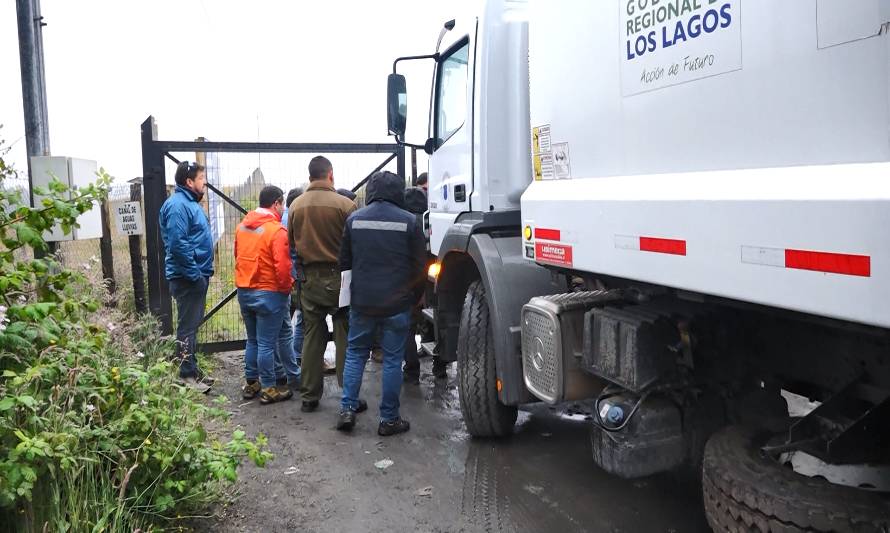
pixel 852 265
pixel 547 234
pixel 663 246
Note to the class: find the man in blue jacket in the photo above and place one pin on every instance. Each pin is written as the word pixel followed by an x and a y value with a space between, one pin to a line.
pixel 383 246
pixel 188 264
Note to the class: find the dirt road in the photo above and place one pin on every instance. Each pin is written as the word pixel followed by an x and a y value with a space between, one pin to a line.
pixel 440 480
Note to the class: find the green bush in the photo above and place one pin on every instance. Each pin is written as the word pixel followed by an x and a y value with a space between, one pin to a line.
pixel 95 433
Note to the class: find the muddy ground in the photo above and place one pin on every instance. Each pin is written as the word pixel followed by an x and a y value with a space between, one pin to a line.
pixel 441 480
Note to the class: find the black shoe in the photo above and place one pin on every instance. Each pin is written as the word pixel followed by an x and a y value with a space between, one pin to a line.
pixel 411 377
pixel 440 369
pixel 308 407
pixel 362 406
pixel 388 429
pixel 281 382
pixel 346 420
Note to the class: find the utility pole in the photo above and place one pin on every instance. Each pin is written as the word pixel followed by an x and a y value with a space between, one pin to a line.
pixel 30 24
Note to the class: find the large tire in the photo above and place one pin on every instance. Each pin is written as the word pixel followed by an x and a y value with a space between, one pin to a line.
pixel 745 491
pixel 484 415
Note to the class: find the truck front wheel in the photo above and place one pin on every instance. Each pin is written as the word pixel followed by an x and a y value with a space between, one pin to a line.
pixel 484 415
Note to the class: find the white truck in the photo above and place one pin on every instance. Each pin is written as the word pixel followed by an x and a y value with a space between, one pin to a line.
pixel 675 213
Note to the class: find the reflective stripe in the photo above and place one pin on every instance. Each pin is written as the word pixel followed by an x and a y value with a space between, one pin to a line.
pixel 379 224
pixel 258 231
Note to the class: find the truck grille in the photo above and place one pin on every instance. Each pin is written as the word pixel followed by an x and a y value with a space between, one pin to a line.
pixel 541 353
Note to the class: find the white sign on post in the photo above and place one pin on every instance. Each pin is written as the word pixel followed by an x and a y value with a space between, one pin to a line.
pixel 128 218
pixel 669 42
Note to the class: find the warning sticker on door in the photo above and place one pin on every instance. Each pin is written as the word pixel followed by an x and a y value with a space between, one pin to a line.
pixel 547 169
pixel 542 159
pixel 541 139
pixel 556 254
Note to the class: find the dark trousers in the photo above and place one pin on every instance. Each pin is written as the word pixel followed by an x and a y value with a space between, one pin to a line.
pixel 319 297
pixel 418 326
pixel 191 298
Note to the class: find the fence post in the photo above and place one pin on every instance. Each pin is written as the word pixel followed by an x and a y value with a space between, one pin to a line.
pixel 106 251
pixel 400 161
pixel 153 179
pixel 136 257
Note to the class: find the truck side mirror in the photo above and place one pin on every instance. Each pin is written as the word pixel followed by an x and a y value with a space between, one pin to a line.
pixel 430 146
pixel 396 105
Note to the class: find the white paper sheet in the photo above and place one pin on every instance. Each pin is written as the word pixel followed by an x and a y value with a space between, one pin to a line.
pixel 345 287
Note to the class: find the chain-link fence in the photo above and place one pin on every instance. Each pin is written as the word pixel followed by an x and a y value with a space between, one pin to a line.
pixel 240 177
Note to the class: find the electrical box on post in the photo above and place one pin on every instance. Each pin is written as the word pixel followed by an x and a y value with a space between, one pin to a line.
pixel 74 173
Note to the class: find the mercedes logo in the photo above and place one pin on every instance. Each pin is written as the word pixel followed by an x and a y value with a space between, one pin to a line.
pixel 538 355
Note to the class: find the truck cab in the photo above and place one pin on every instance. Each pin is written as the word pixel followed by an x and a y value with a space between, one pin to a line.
pixel 673 215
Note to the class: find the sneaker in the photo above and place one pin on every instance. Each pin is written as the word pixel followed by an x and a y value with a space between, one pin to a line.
pixel 308 407
pixel 346 420
pixel 394 427
pixel 274 395
pixel 193 383
pixel 250 389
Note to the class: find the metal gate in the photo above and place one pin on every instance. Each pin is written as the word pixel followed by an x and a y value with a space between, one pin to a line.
pixel 231 194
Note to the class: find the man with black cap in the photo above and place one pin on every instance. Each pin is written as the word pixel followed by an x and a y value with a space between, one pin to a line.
pixel 383 246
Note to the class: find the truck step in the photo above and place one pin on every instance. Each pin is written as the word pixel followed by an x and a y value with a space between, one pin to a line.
pixel 429 314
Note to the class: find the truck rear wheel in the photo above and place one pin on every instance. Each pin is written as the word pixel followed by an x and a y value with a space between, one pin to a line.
pixel 484 415
pixel 747 491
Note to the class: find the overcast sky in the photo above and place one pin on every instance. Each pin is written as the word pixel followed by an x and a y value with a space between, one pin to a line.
pixel 226 70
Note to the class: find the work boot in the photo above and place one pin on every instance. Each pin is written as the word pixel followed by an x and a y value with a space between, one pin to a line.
pixel 308 407
pixel 394 427
pixel 346 420
pixel 285 391
pixel 275 394
pixel 250 389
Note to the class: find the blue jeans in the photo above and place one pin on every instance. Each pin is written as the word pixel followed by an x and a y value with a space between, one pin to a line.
pixel 361 337
pixel 264 313
pixel 191 298
pixel 286 361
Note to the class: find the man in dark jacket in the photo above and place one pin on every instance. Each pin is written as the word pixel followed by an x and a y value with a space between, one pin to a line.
pixel 384 248
pixel 188 263
pixel 416 204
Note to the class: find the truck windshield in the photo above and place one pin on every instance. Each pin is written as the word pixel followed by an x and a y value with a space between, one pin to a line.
pixel 451 93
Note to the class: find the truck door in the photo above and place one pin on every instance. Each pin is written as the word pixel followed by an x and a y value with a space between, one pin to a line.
pixel 451 125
